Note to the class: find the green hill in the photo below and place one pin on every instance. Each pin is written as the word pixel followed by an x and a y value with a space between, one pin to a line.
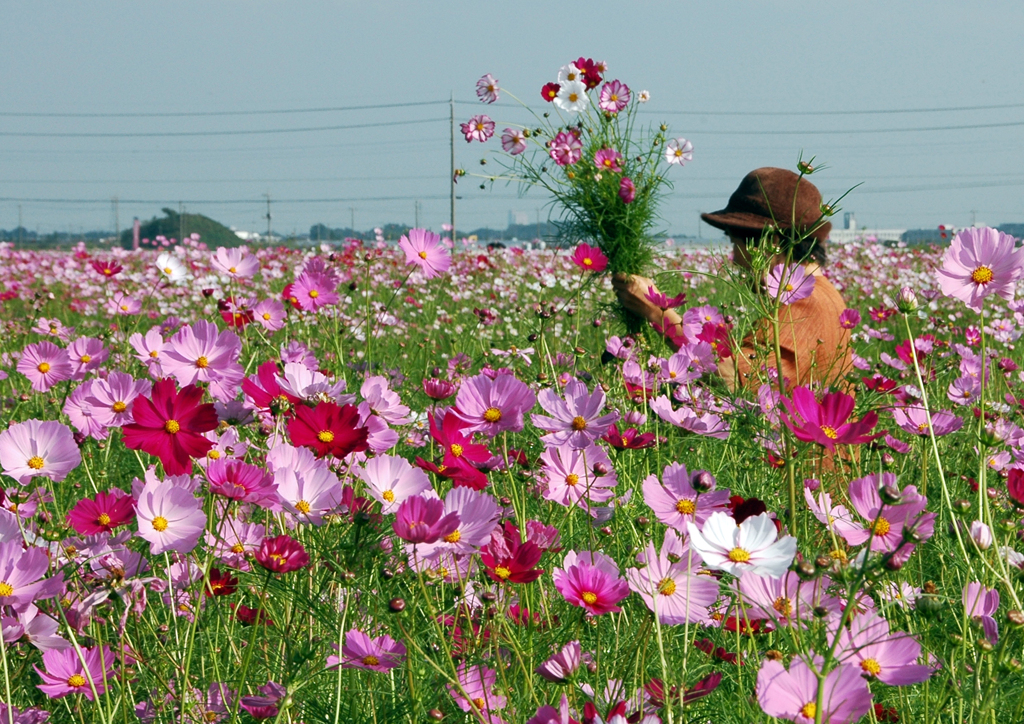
pixel 175 226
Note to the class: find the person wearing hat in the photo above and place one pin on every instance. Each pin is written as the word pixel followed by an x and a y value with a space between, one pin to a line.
pixel 814 347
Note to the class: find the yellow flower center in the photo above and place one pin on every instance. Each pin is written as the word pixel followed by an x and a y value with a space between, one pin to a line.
pixel 809 710
pixel 453 537
pixel 589 598
pixel 830 432
pixel 666 586
pixel 686 507
pixel 168 270
pixel 492 414
pixel 572 479
pixel 86 359
pixel 36 463
pixel 738 555
pixel 789 287
pixel 124 307
pixel 613 98
pixel 6 589
pixel 303 507
pixel 502 572
pixel 119 406
pixel 388 495
pixel 870 666
pixel 159 524
pixel 44 367
pixel 370 660
pixel 232 270
pixel 479 703
pixel 922 428
pixel 422 255
pixel 172 426
pixel 573 97
pixel 266 316
pixel 202 363
pixel 837 555
pixel 103 519
pixel 238 549
pixel 314 293
pixel 578 423
pixel 153 354
pixel 671 375
pixel 76 681
pixel 882 526
pixel 982 275
pixel 456 449
pixel 214 454
pixel 679 152
pixel 325 436
pixel 783 605
pixel 53 330
pixel 587 261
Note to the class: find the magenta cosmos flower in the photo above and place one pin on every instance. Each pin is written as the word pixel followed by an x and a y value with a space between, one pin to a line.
pixel 793 694
pixel 478 128
pixel 66 674
pixel 171 426
pixel 673 591
pixel 312 290
pixel 38 448
pixel 282 554
pixel 627 190
pixel 493 406
pixel 980 262
pixel 45 364
pixel 424 249
pixel 21 575
pixel 828 422
pixel 562 666
pixel 170 518
pixel 676 502
pixel 750 546
pixel 615 97
pixel 608 159
pixel 789 283
pixel 589 258
pixel 373 654
pixel 590 581
pixel 423 520
pixel 577 420
pixel 103 513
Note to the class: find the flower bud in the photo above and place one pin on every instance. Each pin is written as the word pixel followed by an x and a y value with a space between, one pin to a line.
pixel 600 469
pixel 806 570
pixel 981 534
pixel 702 481
pixel 905 300
pixel 397 605
pixel 890 495
pixel 984 645
pixel 436 714
pixel 820 612
pixel 827 210
pixel 805 168
pixel 962 506
pixel 1016 618
pixel 642 521
pixel 607 530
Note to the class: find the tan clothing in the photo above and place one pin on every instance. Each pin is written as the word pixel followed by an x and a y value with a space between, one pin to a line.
pixel 814 346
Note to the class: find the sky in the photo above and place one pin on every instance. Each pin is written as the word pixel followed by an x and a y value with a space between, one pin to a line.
pixel 208 104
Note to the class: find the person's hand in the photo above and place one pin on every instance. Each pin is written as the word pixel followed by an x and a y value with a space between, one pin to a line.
pixel 632 293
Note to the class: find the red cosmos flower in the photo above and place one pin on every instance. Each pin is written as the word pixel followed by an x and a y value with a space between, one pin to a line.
pixel 717 335
pixel 107 268
pixel 460 453
pixel 508 560
pixel 282 554
pixel 828 422
pixel 591 72
pixel 1015 486
pixel 251 616
pixel 220 583
pixel 328 429
pixel 550 91
pixel 879 383
pixel 170 425
pixel 288 295
pixel 630 439
pixel 655 688
pixel 589 258
pixel 881 313
pixel 232 314
pixel 265 392
pixel 103 513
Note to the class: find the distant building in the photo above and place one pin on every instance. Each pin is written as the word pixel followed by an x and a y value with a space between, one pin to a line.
pixel 850 232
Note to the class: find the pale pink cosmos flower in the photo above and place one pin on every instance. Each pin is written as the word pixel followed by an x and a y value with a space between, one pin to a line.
pixel 678 151
pixel 383 401
pixel 236 262
pixel 561 667
pixel 477 683
pixel 572 480
pixel 478 128
pixel 751 546
pixel 309 495
pixel 673 591
pixel 236 541
pixel 169 518
pixel 785 600
pixel 676 502
pixel 789 283
pixel 201 353
pixel 270 314
pixel 114 395
pixel 45 364
pixel 915 420
pixel 70 672
pixel 487 88
pixel 53 328
pixel 793 694
pixel 615 97
pixel 81 411
pixel 35 627
pixel 576 420
pixel 889 657
pixel 305 383
pixel 980 603
pixel 123 305
pixel 513 141
pixel 423 249
pixel 373 654
pixel 390 480
pixel 883 523
pixel 478 514
pixel 978 263
pixel 38 448
pixel 148 350
pixel 493 406
pixel 21 576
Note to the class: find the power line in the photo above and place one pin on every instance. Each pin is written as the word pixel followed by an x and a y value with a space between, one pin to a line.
pixel 198 114
pixel 76 134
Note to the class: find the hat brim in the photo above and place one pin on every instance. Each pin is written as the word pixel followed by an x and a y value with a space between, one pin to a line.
pixel 728 220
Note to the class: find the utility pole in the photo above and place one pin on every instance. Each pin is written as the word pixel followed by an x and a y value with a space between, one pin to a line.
pixel 19 225
pixel 974 219
pixel 181 221
pixel 352 219
pixel 451 176
pixel 417 214
pixel 538 224
pixel 268 216
pixel 117 220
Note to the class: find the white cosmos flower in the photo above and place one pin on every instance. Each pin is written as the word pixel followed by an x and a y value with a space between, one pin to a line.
pixel 569 74
pixel 171 267
pixel 737 549
pixel 678 151
pixel 572 97
pixel 645 96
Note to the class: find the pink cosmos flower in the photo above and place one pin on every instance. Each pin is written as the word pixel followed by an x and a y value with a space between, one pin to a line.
pixel 513 141
pixel 313 290
pixel 493 406
pixel 883 523
pixel 575 421
pixel 789 283
pixel 478 514
pixel 793 694
pixel 561 667
pixel 827 423
pixel 487 89
pixel 479 128
pixel 423 248
pixel 423 520
pixel 565 148
pixel 709 424
pixel 615 97
pixel 282 554
pixel 478 684
pixel 269 314
pixel 236 262
pixel 608 159
pixel 572 479
pixel 678 151
pixel 45 364
pixel 673 591
pixel 86 354
pixel 240 481
pixel 21 575
pixel 889 657
pixel 170 518
pixel 676 502
pixel 201 353
pixel 849 318
pixel 66 674
pixel 590 581
pixel 38 448
pixel 980 603
pixel 81 411
pixel 148 350
pixel 373 654
pixel 589 258
pixel 627 190
pixel 750 546
pixel 123 305
pixel 980 262
pixel 309 494
pixel 390 480
pixel 915 420
pixel 101 514
pixel 113 398
pixel 786 600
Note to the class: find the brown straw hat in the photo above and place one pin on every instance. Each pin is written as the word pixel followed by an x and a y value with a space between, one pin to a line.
pixel 765 196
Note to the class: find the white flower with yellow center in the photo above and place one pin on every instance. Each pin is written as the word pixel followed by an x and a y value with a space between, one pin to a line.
pixel 751 546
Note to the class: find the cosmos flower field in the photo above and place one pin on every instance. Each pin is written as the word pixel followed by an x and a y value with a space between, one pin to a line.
pixel 435 482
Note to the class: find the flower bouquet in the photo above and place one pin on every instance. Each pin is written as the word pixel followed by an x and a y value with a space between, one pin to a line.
pixel 605 169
